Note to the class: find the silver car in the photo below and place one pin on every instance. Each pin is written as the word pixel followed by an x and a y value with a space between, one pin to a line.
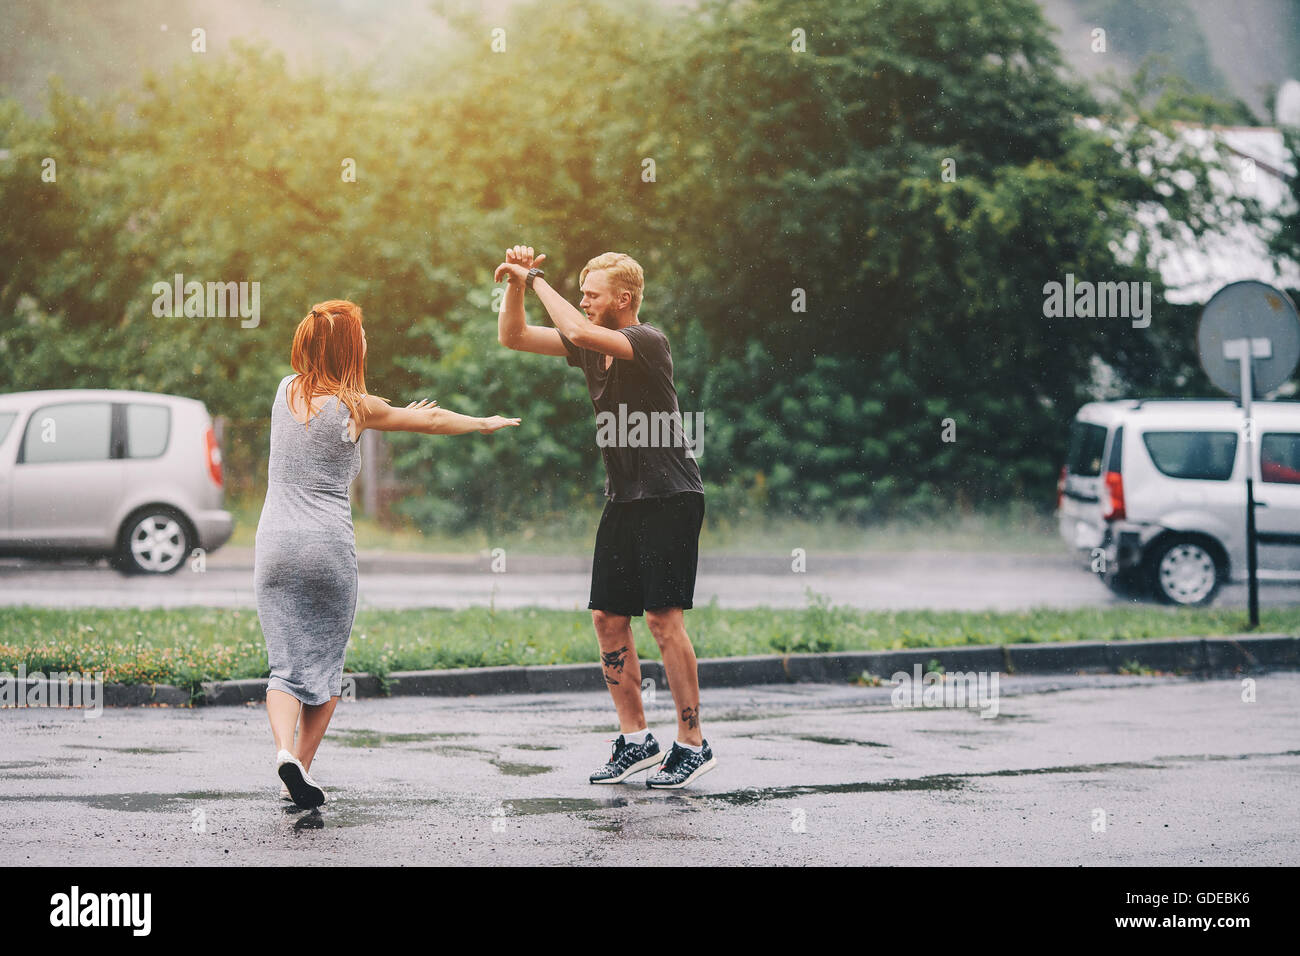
pixel 131 475
pixel 1155 493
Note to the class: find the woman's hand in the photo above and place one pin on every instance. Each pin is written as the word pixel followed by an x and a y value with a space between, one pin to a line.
pixel 496 422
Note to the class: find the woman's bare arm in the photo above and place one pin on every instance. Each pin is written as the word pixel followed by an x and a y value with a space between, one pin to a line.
pixel 426 418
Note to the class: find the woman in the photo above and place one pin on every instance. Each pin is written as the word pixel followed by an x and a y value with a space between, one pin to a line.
pixel 305 564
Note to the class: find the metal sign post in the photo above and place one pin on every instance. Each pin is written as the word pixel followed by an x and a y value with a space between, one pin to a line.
pixel 1245 351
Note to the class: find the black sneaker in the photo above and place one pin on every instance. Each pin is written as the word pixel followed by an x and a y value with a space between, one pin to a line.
pixel 626 759
pixel 681 767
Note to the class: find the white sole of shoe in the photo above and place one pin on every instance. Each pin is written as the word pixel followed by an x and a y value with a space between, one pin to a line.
pixel 303 793
pixel 646 764
pixel 700 771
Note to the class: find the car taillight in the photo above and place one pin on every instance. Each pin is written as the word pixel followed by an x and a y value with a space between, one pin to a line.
pixel 1060 487
pixel 214 457
pixel 1115 493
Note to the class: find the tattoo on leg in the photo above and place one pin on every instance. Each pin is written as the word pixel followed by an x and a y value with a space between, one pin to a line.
pixel 691 715
pixel 610 680
pixel 614 660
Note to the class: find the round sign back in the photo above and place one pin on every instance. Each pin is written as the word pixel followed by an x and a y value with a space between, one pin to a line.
pixel 1249 310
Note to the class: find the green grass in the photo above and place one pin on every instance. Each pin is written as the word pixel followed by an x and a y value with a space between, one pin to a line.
pixel 185 646
pixel 1018 529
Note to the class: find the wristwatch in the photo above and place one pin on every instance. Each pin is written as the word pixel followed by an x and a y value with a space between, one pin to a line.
pixel 533 274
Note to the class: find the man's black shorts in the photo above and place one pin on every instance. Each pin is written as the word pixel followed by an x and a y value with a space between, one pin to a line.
pixel 646 554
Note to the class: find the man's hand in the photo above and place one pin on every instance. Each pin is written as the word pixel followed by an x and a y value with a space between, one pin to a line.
pixel 519 259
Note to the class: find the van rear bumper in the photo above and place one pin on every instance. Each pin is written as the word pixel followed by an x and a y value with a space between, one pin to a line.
pixel 214 528
pixel 1124 543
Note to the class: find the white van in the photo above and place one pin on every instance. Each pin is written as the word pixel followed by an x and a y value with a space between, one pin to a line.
pixel 134 476
pixel 1155 493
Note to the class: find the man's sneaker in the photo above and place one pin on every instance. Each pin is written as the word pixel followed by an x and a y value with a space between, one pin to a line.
pixel 284 793
pixel 303 790
pixel 626 759
pixel 681 767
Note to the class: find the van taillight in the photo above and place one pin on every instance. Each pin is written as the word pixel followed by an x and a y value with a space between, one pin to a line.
pixel 1115 493
pixel 214 457
pixel 1060 486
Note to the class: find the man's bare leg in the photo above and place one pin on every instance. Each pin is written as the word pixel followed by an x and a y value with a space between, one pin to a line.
pixel 668 627
pixel 621 667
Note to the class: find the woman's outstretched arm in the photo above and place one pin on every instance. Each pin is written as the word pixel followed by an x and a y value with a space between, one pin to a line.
pixel 426 418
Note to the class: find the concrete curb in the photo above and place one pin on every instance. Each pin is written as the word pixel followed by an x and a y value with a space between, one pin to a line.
pixel 1249 653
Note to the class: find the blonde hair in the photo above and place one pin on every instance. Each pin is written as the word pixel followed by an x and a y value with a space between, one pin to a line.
pixel 625 274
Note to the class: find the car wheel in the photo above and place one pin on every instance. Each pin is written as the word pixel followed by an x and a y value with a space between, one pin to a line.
pixel 155 541
pixel 1184 571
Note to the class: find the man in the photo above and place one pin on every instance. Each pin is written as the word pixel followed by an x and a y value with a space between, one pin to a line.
pixel 648 538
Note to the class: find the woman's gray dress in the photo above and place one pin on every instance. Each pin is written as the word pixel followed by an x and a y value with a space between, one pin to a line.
pixel 305 562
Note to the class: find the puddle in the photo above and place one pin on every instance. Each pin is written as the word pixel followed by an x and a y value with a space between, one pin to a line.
pixel 1021 717
pixel 342 812
pixel 379 738
pixel 814 738
pixel 456 750
pixel 520 769
pixel 754 795
pixel 136 802
pixel 839 741
pixel 1076 768
pixel 536 805
pixel 933 782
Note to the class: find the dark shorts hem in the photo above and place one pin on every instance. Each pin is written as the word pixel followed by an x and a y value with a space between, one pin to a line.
pixel 646 555
pixel 684 605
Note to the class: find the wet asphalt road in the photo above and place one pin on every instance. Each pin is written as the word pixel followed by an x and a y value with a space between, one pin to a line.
pixel 1185 772
pixel 889 580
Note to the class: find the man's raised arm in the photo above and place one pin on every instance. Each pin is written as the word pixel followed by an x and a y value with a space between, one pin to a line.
pixel 513 330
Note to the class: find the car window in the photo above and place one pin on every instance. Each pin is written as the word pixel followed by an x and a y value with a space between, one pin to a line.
pixel 77 431
pixel 1201 456
pixel 1087 442
pixel 1116 463
pixel 147 427
pixel 6 423
pixel 1279 458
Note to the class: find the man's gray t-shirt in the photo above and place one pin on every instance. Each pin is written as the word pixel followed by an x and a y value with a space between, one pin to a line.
pixel 645 455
